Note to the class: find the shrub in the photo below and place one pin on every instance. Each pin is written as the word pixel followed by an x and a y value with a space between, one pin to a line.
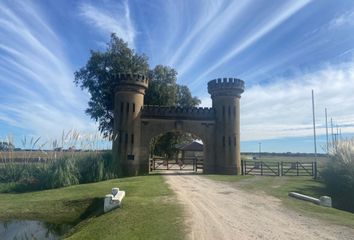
pixel 62 173
pixel 12 172
pixel 338 175
pixel 96 167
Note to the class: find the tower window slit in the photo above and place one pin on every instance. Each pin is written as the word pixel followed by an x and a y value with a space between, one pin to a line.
pixel 133 107
pixel 229 111
pixel 223 141
pixel 127 107
pixel 132 140
pixel 223 111
pixel 121 107
pixel 234 141
pixel 229 141
pixel 126 138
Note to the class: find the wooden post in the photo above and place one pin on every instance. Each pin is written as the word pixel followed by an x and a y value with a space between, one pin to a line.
pixel 261 168
pixel 297 168
pixel 278 169
pixel 281 169
pixel 242 167
pixel 315 169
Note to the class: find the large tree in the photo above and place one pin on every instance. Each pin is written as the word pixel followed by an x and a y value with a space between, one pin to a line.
pixel 97 77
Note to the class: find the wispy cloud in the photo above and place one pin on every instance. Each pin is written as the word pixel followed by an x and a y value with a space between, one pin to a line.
pixel 37 91
pixel 209 11
pixel 212 27
pixel 283 108
pixel 345 19
pixel 110 17
pixel 283 14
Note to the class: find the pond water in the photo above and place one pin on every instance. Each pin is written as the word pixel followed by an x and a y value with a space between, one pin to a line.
pixel 28 229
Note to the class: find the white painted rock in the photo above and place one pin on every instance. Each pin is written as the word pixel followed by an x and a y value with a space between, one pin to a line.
pixel 326 201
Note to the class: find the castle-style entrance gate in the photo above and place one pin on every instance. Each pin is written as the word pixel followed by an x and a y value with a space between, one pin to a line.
pixel 218 127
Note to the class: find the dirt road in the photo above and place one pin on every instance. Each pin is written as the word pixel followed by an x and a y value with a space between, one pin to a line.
pixel 218 210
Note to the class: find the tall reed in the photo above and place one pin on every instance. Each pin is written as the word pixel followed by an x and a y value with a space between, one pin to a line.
pixel 75 158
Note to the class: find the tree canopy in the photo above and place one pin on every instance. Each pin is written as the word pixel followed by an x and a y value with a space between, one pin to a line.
pixel 97 78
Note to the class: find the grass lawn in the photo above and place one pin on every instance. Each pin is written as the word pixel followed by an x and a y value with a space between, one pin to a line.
pixel 280 187
pixel 149 209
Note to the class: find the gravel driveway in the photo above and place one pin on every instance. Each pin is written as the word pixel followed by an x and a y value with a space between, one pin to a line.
pixel 217 211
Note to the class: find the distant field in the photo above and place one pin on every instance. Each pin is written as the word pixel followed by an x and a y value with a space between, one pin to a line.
pixel 34 156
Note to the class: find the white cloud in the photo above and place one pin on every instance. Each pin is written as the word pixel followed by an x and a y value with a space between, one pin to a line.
pixel 111 18
pixel 346 19
pixel 283 108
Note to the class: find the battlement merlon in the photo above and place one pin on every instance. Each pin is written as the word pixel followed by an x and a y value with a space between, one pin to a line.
pixel 186 113
pixel 131 82
pixel 226 87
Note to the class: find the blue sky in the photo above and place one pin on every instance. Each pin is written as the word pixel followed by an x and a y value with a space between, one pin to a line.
pixel 281 49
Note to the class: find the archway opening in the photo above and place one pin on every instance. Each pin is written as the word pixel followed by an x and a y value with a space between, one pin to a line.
pixel 176 151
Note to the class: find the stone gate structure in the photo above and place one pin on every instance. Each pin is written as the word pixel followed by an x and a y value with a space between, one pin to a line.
pixel 218 127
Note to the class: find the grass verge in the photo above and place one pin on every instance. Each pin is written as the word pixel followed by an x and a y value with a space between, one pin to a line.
pixel 279 187
pixel 149 209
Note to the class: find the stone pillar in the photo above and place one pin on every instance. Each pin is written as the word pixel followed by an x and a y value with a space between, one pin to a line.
pixel 226 94
pixel 129 99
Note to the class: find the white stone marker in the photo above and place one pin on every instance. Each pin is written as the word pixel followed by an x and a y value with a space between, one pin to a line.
pixel 113 200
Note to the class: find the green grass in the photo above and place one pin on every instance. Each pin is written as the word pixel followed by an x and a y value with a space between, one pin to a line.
pixel 280 187
pixel 149 209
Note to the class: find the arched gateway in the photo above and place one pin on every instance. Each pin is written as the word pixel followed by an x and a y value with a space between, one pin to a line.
pixel 218 126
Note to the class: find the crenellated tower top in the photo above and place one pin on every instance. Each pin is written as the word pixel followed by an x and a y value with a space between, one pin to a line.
pixel 131 82
pixel 226 87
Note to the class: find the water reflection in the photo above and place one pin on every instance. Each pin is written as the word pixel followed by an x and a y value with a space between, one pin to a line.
pixel 31 230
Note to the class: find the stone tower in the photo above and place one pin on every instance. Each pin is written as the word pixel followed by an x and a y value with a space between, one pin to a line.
pixel 226 94
pixel 128 102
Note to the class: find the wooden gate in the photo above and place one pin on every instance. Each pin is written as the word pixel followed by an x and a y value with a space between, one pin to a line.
pixel 260 168
pixel 279 168
pixel 299 169
pixel 187 164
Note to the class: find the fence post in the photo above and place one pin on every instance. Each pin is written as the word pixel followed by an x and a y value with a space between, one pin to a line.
pixel 261 168
pixel 242 167
pixel 297 168
pixel 278 169
pixel 282 170
pixel 315 169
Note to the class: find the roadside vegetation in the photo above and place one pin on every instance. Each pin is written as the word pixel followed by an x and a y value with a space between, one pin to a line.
pixel 338 175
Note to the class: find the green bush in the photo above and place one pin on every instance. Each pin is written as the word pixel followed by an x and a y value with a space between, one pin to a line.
pixel 338 175
pixel 96 167
pixel 63 172
pixel 12 172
